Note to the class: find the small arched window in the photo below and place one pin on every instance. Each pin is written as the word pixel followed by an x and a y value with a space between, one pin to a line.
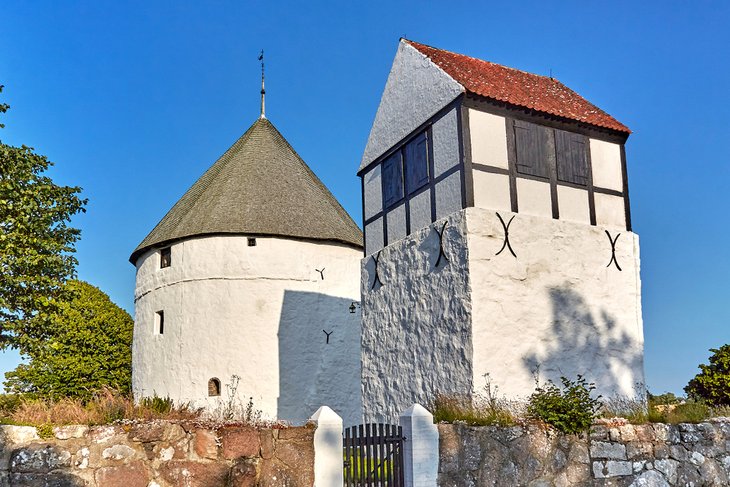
pixel 214 387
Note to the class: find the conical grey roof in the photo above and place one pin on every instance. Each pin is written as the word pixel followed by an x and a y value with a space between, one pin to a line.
pixel 260 186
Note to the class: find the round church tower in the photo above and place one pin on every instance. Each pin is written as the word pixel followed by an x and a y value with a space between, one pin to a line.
pixel 246 288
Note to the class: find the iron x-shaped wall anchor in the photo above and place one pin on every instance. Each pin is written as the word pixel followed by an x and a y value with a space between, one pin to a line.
pixel 442 254
pixel 506 243
pixel 613 250
pixel 376 259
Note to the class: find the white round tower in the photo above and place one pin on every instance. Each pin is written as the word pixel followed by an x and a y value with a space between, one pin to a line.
pixel 247 287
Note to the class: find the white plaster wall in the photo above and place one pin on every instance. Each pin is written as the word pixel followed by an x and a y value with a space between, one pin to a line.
pixel 373 192
pixel 533 198
pixel 448 195
pixel 374 236
pixel 420 206
pixel 445 143
pixel 416 328
pixel 396 223
pixel 573 204
pixel 491 190
pixel 415 91
pixel 610 210
pixel 256 312
pixel 557 307
pixel 488 135
pixel 606 162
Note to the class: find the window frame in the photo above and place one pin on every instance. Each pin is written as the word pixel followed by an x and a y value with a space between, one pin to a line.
pixel 166 257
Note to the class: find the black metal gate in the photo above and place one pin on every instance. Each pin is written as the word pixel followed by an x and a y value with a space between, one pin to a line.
pixel 373 455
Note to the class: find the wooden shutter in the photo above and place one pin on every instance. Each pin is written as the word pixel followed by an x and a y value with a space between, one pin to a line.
pixel 392 179
pixel 571 158
pixel 416 163
pixel 531 142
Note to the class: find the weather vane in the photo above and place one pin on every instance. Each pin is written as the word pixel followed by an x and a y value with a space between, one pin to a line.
pixel 263 91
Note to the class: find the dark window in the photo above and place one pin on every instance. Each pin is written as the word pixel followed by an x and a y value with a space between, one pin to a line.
pixel 214 387
pixel 416 157
pixel 392 179
pixel 570 151
pixel 160 319
pixel 531 142
pixel 251 241
pixel 165 257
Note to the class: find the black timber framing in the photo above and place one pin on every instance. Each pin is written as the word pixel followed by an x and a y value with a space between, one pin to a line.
pixel 456 105
pixel 625 175
pixel 467 177
pixel 553 174
pixel 511 113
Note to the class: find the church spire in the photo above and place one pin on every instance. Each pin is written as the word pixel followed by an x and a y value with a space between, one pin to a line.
pixel 263 91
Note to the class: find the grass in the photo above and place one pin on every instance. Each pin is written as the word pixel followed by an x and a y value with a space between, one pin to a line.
pixel 455 409
pixel 105 407
pixel 671 412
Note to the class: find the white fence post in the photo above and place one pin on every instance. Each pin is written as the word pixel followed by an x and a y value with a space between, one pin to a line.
pixel 421 448
pixel 328 467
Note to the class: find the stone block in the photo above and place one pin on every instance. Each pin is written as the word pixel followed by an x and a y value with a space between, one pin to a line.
pixel 267 444
pixel 302 433
pixel 18 435
pixel 240 442
pixel 613 451
pixel 650 479
pixel 53 479
pixel 147 432
pixel 599 432
pixel 70 431
pixel 244 473
pixel 627 432
pixel 205 444
pixel 131 475
pixel 579 453
pixel 118 452
pixel 644 432
pixel 39 459
pixel 679 452
pixel 637 450
pixel 195 474
pixel 667 467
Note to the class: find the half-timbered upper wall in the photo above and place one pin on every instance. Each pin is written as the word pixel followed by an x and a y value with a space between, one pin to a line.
pixel 538 169
pixel 410 170
pixel 415 91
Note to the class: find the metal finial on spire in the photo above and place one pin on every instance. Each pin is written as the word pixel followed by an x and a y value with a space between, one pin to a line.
pixel 263 91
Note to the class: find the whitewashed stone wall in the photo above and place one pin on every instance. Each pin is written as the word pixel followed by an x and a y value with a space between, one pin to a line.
pixel 255 312
pixel 416 334
pixel 557 309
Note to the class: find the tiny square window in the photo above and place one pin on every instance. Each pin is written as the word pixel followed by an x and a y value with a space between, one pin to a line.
pixel 252 241
pixel 160 322
pixel 165 257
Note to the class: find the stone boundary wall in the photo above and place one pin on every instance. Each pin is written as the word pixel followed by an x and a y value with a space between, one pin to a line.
pixel 613 454
pixel 157 454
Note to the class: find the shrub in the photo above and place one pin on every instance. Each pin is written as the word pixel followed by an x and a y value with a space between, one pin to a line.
pixel 569 409
pixel 712 384
pixel 486 409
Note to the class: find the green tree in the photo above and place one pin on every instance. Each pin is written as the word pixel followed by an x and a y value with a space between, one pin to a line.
pixel 36 245
pixel 90 348
pixel 712 384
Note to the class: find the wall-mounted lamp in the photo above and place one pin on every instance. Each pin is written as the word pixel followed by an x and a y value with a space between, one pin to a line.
pixel 353 306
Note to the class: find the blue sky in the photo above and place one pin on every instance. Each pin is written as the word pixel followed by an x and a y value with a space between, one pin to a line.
pixel 134 100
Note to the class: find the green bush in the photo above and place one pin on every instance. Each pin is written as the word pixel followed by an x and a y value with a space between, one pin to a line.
pixel 157 404
pixel 569 409
pixel 712 384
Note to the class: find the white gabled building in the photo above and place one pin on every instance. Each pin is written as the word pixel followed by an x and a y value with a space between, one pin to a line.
pixel 497 237
pixel 251 274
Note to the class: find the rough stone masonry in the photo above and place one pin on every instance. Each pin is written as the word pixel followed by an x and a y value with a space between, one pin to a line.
pixel 613 454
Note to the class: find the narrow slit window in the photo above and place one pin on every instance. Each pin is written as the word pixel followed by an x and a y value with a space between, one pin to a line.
pixel 160 322
pixel 252 241
pixel 165 257
pixel 214 387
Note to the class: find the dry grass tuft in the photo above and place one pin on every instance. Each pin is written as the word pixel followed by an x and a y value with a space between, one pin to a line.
pixel 105 407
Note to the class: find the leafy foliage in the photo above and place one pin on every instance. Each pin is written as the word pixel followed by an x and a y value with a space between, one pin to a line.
pixel 36 245
pixel 569 409
pixel 88 349
pixel 712 384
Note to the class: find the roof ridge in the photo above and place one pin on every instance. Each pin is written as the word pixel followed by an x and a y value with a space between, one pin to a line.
pixel 503 66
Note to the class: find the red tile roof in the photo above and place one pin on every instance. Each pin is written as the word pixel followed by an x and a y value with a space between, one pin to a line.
pixel 540 93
